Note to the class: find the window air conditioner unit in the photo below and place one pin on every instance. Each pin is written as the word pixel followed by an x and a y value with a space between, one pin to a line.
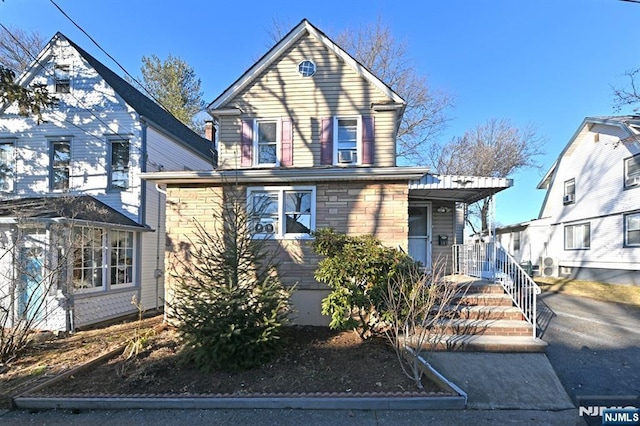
pixel 635 180
pixel 549 267
pixel 265 226
pixel 570 198
pixel 346 156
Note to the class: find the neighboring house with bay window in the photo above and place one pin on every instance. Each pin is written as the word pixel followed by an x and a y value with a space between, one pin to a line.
pixel 80 233
pixel 589 223
pixel 310 135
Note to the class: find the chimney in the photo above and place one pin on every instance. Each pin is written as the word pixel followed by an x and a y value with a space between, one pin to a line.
pixel 209 131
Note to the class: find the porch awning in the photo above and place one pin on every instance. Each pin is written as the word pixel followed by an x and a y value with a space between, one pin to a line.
pixel 81 209
pixel 466 189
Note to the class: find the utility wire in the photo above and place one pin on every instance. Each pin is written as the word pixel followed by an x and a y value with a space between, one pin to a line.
pixel 82 105
pixel 108 55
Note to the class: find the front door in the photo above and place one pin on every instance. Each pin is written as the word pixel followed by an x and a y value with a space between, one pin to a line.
pixel 30 272
pixel 420 233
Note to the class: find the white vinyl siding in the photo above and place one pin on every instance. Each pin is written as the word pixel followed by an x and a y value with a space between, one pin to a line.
pixel 577 236
pixel 7 165
pixel 632 230
pixel 632 172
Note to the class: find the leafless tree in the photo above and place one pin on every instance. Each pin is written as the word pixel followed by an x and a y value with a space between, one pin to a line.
pixel 628 95
pixel 389 59
pixel 496 148
pixel 37 271
pixel 426 114
pixel 19 48
pixel 420 305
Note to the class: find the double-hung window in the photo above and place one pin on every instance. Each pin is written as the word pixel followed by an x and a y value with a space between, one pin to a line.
pixel 60 165
pixel 266 142
pixel 119 167
pixel 62 78
pixel 347 133
pixel 632 171
pixel 577 236
pixel 569 192
pixel 632 230
pixel 282 212
pixel 7 166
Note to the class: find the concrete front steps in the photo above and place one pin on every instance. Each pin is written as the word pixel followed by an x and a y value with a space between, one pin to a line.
pixel 483 318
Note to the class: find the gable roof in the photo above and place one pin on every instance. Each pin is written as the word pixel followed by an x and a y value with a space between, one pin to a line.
pixel 145 107
pixel 299 31
pixel 628 123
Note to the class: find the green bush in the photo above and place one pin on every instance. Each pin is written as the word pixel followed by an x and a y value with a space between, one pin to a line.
pixel 228 300
pixel 358 269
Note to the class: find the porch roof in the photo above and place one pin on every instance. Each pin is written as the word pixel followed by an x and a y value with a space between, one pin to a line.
pixel 289 175
pixel 466 189
pixel 81 209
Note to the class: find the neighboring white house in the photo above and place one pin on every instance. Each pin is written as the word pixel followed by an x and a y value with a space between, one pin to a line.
pixel 70 192
pixel 589 223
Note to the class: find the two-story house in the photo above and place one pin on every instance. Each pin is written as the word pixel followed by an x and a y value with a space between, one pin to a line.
pixel 310 134
pixel 80 232
pixel 589 224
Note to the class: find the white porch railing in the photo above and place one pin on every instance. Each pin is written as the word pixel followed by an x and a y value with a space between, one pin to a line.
pixel 491 261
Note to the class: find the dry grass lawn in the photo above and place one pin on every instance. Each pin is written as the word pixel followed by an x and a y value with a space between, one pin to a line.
pixel 605 292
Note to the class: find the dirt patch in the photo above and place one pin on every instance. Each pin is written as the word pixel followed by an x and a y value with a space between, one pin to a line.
pixel 313 360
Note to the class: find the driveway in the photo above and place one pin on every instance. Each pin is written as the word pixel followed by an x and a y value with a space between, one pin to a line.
pixel 594 346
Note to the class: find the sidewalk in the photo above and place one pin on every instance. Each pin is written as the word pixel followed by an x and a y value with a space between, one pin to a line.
pixel 505 388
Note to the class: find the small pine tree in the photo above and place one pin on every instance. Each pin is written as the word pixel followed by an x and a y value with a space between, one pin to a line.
pixel 228 301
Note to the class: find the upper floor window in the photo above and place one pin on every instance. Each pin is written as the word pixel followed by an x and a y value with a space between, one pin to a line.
pixel 632 230
pixel 307 68
pixel 60 165
pixel 346 137
pixel 62 79
pixel 577 236
pixel 282 212
pixel 119 170
pixel 632 171
pixel 569 192
pixel 266 142
pixel 347 140
pixel 7 166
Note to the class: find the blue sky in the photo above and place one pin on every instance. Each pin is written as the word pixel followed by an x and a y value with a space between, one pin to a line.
pixel 544 62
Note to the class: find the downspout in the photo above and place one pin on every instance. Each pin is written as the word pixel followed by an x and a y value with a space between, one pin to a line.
pixel 142 212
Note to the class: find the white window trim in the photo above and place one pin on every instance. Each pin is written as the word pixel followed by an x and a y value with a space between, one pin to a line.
pixel 14 163
pixel 255 146
pixel 107 285
pixel 575 226
pixel 358 118
pixel 281 235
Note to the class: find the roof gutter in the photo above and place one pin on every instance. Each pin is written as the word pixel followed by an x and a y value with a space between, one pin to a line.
pixel 316 174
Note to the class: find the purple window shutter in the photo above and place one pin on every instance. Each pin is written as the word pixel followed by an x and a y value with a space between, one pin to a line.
pixel 326 141
pixel 286 157
pixel 368 126
pixel 246 143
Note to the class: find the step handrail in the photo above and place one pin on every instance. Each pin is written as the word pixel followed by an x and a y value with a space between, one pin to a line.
pixel 492 261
